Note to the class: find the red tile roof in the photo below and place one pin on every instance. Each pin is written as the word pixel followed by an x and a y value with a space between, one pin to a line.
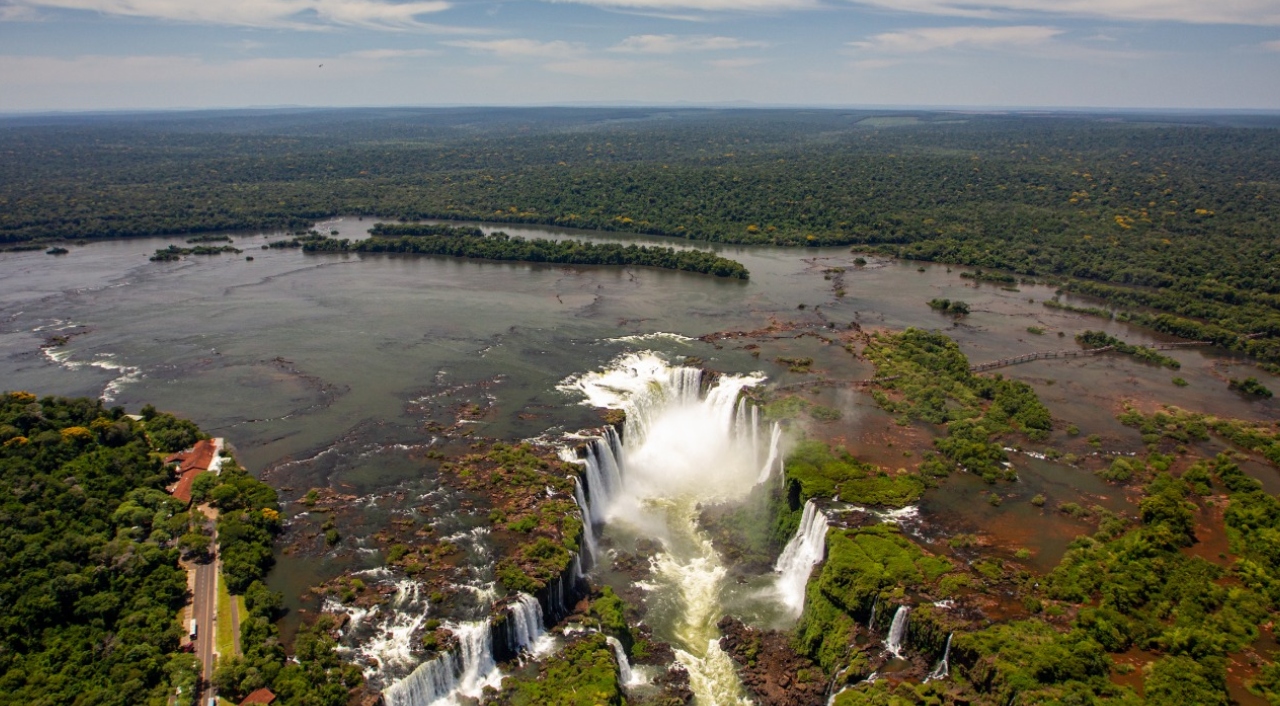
pixel 192 463
pixel 182 490
pixel 261 696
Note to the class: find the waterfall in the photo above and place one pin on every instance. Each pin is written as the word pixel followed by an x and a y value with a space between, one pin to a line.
pixel 944 667
pixel 800 555
pixel 596 486
pixel 527 631
pixel 688 441
pixel 871 624
pixel 604 475
pixel 767 469
pixel 431 682
pixel 897 631
pixel 588 531
pixel 466 672
pixel 626 675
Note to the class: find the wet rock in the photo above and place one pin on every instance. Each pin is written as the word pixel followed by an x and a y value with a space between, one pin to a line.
pixel 770 669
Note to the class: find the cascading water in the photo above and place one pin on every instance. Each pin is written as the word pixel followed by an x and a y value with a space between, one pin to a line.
pixel 944 666
pixel 626 675
pixel 588 530
pixel 897 631
pixel 528 632
pixel 871 624
pixel 680 447
pixel 465 672
pixel 800 555
pixel 775 436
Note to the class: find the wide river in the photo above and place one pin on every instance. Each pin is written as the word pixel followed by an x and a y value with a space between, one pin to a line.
pixel 325 370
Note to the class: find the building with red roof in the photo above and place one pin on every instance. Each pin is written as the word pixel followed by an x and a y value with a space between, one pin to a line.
pixel 261 696
pixel 191 463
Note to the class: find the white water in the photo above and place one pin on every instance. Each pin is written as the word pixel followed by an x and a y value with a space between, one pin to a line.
pixel 774 437
pixel 528 633
pixel 440 681
pixel 680 448
pixel 391 645
pixel 897 631
pixel 799 557
pixel 944 667
pixel 626 675
pixel 588 530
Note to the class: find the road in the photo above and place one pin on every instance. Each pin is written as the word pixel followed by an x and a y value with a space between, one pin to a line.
pixel 203 609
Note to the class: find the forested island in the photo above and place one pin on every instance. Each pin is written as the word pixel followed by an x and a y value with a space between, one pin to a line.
pixel 473 243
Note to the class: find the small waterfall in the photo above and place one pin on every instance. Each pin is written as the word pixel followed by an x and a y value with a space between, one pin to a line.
pixel 767 469
pixel 526 623
pixel 800 555
pixel 429 683
pixel 596 485
pixel 588 531
pixel 626 675
pixel 871 624
pixel 478 668
pixel 944 667
pixel 466 672
pixel 897 631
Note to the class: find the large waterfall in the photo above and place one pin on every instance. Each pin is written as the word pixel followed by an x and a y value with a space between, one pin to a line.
pixel 682 445
pixel 800 555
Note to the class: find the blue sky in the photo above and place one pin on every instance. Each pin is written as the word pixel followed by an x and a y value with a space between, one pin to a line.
pixel 137 54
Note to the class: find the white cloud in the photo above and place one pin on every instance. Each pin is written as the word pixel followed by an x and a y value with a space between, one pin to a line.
pixel 672 44
pixel 873 64
pixel 385 54
pixel 290 14
pixel 105 71
pixel 738 63
pixel 1251 12
pixel 1248 12
pixel 701 5
pixel 514 48
pixel 1272 46
pixel 594 67
pixel 925 39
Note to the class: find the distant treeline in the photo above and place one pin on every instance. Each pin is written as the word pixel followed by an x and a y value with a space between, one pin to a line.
pixel 1171 218
pixel 472 242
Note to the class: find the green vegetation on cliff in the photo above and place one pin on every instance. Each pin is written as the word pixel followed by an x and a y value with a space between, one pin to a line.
pixel 538 533
pixel 583 673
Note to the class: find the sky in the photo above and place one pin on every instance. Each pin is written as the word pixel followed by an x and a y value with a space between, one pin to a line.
pixel 72 55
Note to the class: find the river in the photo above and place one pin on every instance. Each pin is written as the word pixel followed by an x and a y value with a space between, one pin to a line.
pixel 329 370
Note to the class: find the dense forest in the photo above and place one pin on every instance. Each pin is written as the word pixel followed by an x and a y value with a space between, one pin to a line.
pixel 1171 218
pixel 89 574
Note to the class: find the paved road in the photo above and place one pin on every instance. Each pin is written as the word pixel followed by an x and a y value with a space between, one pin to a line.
pixel 203 608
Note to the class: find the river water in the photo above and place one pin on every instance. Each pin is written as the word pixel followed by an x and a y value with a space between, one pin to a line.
pixel 327 370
